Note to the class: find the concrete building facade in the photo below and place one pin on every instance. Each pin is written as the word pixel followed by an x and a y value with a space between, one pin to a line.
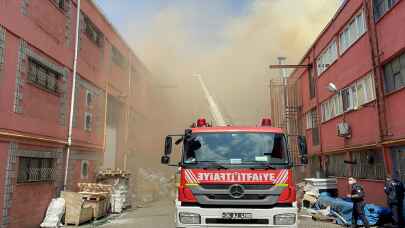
pixel 37 40
pixel 352 95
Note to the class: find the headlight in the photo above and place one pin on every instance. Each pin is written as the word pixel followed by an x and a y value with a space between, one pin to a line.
pixel 284 219
pixel 189 218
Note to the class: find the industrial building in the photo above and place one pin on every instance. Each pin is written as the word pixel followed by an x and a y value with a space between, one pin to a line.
pixel 351 96
pixel 37 45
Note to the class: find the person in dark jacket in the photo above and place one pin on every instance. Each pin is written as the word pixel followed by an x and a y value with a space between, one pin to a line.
pixel 357 196
pixel 395 198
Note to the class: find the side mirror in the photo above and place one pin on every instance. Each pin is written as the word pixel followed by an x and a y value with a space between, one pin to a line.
pixel 168 145
pixel 302 147
pixel 165 160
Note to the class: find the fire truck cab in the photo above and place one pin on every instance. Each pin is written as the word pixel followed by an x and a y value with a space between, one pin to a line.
pixel 234 177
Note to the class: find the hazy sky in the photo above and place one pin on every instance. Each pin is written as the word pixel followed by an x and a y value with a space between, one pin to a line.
pixel 136 16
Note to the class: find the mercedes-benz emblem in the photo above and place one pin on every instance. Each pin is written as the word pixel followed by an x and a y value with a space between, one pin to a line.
pixel 237 191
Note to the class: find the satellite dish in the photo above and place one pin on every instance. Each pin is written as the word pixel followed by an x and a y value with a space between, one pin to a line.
pixel 332 88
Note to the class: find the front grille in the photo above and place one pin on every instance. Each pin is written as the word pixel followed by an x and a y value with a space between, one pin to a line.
pixel 228 197
pixel 236 221
pixel 246 186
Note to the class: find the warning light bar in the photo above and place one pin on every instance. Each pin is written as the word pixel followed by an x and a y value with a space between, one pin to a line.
pixel 202 122
pixel 266 122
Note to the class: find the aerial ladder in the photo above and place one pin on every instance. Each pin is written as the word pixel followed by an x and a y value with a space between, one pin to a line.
pixel 214 108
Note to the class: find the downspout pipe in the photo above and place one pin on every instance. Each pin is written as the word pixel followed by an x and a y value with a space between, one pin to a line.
pixel 72 98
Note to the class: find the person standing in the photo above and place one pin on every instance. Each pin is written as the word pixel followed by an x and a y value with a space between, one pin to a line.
pixel 357 196
pixel 395 198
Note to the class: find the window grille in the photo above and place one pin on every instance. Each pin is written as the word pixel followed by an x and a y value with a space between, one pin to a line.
pixel 369 165
pixel 60 3
pixel 398 158
pixel 43 76
pixel 336 166
pixel 35 169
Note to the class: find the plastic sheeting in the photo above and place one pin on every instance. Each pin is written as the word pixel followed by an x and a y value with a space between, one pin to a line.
pixel 343 208
pixel 54 214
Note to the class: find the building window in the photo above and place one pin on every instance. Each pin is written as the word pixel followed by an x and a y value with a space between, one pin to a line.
pixel 117 57
pixel 313 125
pixel 92 32
pixel 89 98
pixel 331 108
pixel 85 169
pixel 336 166
pixel 398 159
pixel 312 84
pixel 311 119
pixel 359 93
pixel 35 169
pixel 382 6
pixel 349 98
pixel 394 74
pixel 88 120
pixel 369 165
pixel 327 57
pixel 60 3
pixel 43 76
pixel 352 32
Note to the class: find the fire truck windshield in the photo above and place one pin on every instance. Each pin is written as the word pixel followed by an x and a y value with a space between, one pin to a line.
pixel 236 149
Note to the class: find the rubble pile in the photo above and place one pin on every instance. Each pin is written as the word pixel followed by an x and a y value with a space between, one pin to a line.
pixel 110 193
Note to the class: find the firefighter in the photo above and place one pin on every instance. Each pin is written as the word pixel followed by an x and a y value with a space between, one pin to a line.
pixel 395 198
pixel 357 196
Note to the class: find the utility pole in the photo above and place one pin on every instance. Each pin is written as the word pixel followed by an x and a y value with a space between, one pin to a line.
pixel 72 98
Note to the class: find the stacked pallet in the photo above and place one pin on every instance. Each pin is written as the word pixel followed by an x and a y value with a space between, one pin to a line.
pixel 97 197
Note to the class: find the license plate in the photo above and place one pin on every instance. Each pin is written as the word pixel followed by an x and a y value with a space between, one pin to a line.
pixel 232 215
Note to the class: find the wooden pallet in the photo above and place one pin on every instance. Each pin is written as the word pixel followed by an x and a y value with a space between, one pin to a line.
pixel 92 196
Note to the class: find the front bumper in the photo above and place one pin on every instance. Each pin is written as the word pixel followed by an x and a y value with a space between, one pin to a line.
pixel 209 214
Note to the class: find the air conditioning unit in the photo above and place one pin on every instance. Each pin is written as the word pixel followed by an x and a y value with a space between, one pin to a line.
pixel 344 130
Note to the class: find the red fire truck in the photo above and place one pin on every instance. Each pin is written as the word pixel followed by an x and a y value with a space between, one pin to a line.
pixel 234 177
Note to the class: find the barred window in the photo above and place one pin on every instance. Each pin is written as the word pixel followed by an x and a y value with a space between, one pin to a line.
pixel 60 3
pixel 43 76
pixel 398 158
pixel 117 57
pixel 35 169
pixel 336 166
pixel 369 165
pixel 92 32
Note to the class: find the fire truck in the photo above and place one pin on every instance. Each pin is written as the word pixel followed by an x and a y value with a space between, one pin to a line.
pixel 234 177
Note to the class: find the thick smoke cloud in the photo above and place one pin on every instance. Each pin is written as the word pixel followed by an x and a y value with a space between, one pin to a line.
pixel 233 60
